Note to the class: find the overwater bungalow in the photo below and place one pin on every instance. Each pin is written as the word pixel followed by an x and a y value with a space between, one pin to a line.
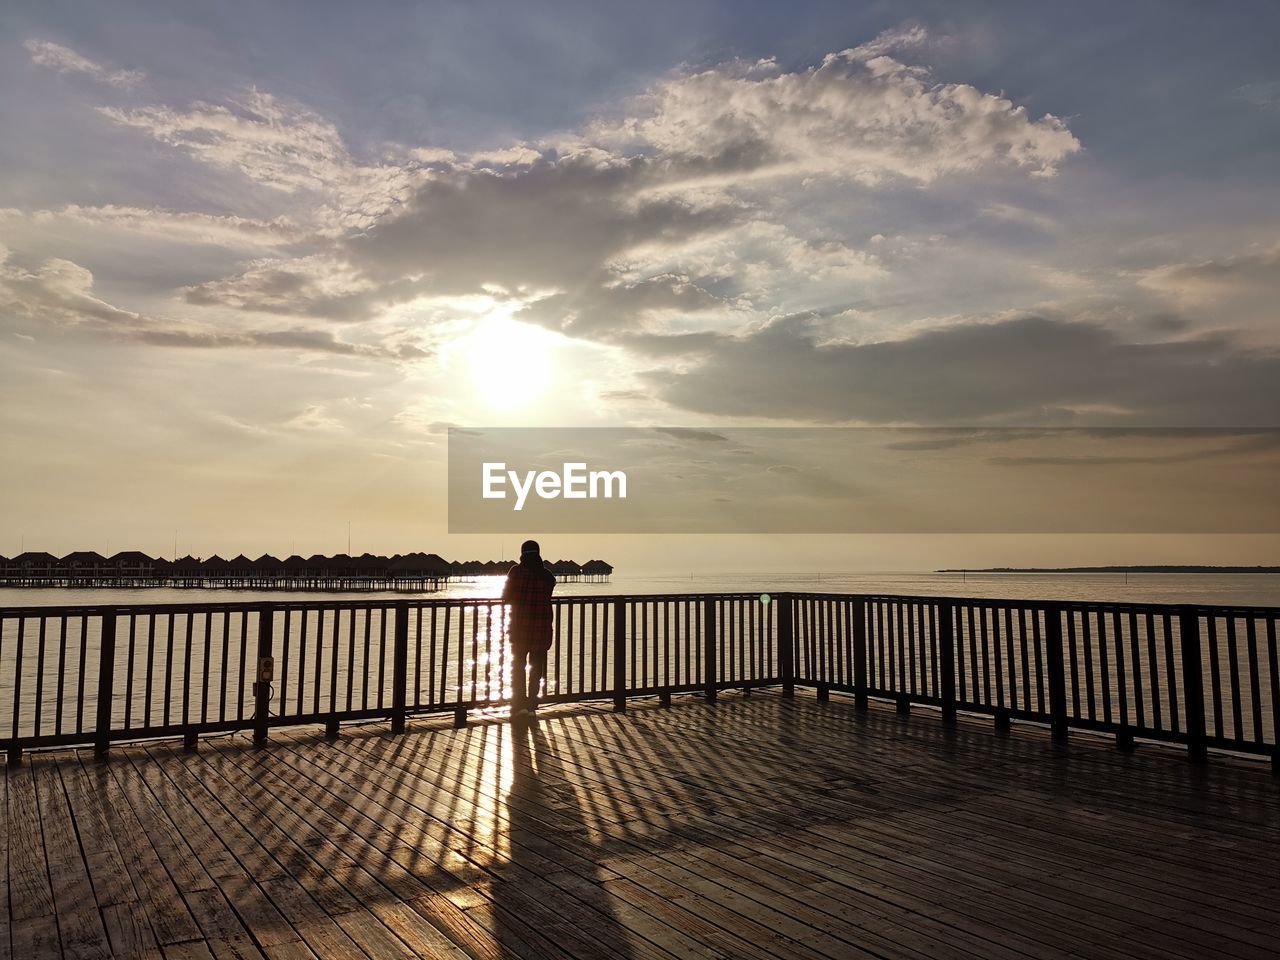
pixel 132 564
pixel 411 571
pixel 84 565
pixel 597 570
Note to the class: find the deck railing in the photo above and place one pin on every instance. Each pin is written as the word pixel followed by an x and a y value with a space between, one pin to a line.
pixel 1203 676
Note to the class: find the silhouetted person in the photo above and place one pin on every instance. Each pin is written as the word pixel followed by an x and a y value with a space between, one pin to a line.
pixel 528 590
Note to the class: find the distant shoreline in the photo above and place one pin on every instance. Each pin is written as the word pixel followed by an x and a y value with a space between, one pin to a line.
pixel 1167 568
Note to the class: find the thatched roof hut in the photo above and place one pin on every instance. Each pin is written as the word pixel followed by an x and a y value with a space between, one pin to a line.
pixel 597 568
pixel 240 564
pixel 188 566
pixel 215 566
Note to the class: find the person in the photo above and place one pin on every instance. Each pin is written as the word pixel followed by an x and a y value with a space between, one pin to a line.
pixel 528 591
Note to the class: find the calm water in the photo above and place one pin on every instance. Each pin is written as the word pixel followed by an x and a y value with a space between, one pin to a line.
pixel 1245 589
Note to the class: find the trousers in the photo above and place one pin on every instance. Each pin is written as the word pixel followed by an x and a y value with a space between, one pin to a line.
pixel 525 688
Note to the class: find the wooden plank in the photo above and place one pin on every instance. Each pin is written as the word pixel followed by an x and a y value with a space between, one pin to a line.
pixel 124 914
pixel 170 920
pixel 195 950
pixel 289 896
pixel 129 932
pixel 30 895
pixel 762 827
pixel 538 916
pixel 80 926
pixel 5 915
pixel 239 883
pixel 734 873
pixel 549 825
pixel 216 920
pixel 310 896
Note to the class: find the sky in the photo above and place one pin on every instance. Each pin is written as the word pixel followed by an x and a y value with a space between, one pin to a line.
pixel 256 258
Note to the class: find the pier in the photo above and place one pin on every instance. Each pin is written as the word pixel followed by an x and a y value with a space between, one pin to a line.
pixel 724 775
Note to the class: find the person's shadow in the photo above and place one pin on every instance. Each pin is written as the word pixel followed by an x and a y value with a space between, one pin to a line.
pixel 550 900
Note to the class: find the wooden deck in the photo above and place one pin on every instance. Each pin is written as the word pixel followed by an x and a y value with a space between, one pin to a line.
pixel 758 827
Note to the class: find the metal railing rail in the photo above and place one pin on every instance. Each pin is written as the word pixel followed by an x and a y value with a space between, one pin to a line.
pixel 1204 676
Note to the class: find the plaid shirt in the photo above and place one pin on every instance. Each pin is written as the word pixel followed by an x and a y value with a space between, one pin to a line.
pixel 528 590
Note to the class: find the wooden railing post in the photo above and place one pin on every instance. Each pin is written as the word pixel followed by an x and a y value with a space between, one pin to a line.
pixel 262 688
pixel 400 669
pixel 106 680
pixel 619 655
pixel 859 614
pixel 947 656
pixel 786 643
pixel 709 668
pixel 1057 673
pixel 1192 683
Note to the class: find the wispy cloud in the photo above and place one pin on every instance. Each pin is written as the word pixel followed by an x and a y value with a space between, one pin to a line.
pixel 60 294
pixel 1264 94
pixel 65 60
pixel 172 225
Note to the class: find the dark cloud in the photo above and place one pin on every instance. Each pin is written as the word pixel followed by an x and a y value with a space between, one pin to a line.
pixel 298 339
pixel 546 230
pixel 1030 370
pixel 699 436
pixel 546 224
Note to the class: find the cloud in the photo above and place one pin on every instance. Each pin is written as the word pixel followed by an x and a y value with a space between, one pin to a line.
pixel 314 417
pixel 1029 370
pixel 1265 94
pixel 1011 213
pixel 283 146
pixel 628 227
pixel 60 293
pixel 65 60
pixel 1188 448
pixel 1236 292
pixel 1205 280
pixel 692 435
pixel 665 229
pixel 318 286
pixel 297 339
pixel 859 114
pixel 545 234
pixel 170 225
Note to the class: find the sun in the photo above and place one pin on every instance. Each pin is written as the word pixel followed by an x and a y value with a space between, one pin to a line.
pixel 510 362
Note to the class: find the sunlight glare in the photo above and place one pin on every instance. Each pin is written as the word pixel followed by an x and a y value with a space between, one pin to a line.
pixel 510 362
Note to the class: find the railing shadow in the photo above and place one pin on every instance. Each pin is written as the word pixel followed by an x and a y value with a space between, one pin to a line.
pixel 539 783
